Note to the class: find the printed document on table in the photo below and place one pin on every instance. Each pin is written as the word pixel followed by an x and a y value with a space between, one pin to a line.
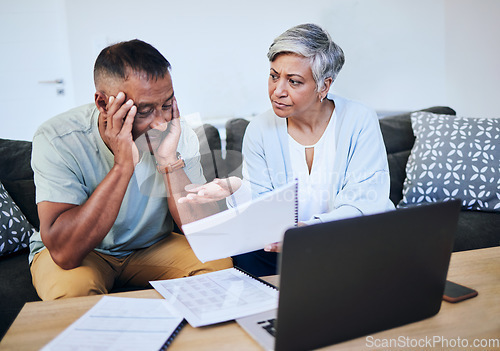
pixel 119 323
pixel 217 296
pixel 247 227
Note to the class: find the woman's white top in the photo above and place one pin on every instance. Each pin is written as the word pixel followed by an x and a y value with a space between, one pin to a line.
pixel 315 190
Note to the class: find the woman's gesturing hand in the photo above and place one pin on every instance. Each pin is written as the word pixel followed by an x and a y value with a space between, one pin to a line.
pixel 216 190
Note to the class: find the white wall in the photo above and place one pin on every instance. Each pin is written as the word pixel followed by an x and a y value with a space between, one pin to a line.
pixel 400 54
pixel 394 51
pixel 218 48
pixel 473 56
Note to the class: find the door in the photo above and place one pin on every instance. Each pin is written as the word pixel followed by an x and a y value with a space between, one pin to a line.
pixel 35 81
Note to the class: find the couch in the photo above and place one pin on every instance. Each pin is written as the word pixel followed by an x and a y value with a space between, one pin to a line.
pixel 476 229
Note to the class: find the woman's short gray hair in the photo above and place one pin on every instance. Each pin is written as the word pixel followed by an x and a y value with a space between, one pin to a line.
pixel 313 42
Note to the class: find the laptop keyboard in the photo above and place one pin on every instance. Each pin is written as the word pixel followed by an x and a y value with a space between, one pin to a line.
pixel 269 326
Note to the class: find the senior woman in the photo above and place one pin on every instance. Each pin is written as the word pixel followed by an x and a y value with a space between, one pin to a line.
pixel 332 145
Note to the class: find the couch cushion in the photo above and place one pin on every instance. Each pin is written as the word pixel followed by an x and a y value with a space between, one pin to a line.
pixel 16 288
pixel 477 230
pixel 210 151
pixel 398 139
pixel 397 130
pixel 17 176
pixel 397 169
pixel 15 230
pixel 23 193
pixel 235 130
pixel 15 158
pixel 454 158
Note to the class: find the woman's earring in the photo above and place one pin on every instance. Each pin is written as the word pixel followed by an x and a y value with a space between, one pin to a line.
pixel 321 100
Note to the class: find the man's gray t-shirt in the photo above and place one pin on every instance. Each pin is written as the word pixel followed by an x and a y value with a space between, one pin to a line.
pixel 70 160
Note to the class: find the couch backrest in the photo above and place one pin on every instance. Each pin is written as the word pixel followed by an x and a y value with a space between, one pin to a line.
pixel 235 129
pixel 211 152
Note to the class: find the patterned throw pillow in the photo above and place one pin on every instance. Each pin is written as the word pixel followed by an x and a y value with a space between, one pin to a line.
pixel 15 230
pixel 454 158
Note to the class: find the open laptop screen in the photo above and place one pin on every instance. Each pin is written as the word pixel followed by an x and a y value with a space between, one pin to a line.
pixel 344 279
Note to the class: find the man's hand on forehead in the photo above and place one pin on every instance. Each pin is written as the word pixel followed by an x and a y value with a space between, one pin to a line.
pixel 119 122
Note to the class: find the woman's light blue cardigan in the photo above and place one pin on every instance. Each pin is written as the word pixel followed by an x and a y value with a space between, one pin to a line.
pixel 360 173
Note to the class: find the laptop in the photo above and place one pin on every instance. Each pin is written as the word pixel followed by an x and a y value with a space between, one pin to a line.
pixel 349 278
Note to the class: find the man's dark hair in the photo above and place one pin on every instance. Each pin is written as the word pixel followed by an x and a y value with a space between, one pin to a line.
pixel 119 60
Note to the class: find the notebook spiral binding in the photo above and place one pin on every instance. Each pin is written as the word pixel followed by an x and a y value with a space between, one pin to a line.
pixel 296 201
pixel 256 278
pixel 173 335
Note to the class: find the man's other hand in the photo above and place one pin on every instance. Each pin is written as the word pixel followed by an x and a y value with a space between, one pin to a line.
pixel 167 150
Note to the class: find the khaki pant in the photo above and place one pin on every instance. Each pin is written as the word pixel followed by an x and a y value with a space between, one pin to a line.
pixel 99 273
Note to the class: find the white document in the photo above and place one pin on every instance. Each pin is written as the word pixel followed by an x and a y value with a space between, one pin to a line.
pixel 217 296
pixel 247 227
pixel 118 323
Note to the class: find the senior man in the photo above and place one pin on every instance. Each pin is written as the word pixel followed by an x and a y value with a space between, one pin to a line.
pixel 108 176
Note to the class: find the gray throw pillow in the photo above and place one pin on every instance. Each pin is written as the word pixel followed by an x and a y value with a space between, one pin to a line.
pixel 15 230
pixel 454 158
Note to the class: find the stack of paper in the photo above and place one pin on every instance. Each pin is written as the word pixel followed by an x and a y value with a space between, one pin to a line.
pixel 118 323
pixel 245 228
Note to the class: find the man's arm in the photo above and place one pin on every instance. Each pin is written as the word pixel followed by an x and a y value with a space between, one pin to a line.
pixel 185 212
pixel 70 231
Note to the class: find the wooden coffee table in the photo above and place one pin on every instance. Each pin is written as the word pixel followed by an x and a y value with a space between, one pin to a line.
pixel 470 321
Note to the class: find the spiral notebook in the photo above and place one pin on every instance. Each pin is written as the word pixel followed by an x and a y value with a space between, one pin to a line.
pixel 217 296
pixel 247 227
